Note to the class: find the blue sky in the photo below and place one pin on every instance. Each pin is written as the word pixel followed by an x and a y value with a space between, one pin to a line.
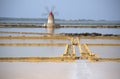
pixel 67 9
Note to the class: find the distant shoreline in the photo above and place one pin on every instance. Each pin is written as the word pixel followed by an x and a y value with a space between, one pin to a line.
pixel 17 18
pixel 40 25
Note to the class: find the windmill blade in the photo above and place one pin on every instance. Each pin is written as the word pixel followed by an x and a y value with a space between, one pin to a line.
pixel 46 11
pixel 54 11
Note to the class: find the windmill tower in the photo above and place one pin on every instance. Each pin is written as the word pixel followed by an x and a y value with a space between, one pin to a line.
pixel 51 18
pixel 50 23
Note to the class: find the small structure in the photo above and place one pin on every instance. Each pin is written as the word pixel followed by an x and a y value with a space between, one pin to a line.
pixel 51 23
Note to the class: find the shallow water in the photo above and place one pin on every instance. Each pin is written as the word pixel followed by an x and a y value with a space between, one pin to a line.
pixel 81 69
pixel 65 30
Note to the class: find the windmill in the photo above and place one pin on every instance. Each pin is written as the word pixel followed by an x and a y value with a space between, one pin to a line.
pixel 51 25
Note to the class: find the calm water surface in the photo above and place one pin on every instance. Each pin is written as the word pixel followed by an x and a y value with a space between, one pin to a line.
pixel 76 70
